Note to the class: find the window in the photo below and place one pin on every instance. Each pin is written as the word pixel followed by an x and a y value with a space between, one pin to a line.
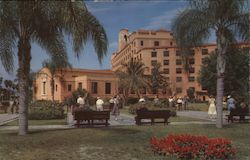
pixel 107 88
pixel 153 62
pixel 56 87
pixel 166 53
pixel 44 87
pixel 192 52
pixel 191 79
pixel 165 62
pixel 141 43
pixel 69 87
pixel 204 51
pixel 171 43
pixel 178 70
pixel 178 79
pixel 166 71
pixel 153 54
pixel 94 87
pixel 191 61
pixel 178 62
pixel 80 85
pixel 156 43
pixel 178 90
pixel 191 70
pixel 178 53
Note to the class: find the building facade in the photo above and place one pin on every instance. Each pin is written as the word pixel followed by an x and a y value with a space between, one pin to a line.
pixel 159 46
pixel 101 83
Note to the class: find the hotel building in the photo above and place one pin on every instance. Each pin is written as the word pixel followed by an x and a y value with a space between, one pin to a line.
pixel 159 46
pixel 101 83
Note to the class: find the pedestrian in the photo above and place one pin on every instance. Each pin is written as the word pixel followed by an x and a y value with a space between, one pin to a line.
pixel 81 101
pixel 111 103
pixel 11 102
pixel 212 108
pixel 115 110
pixel 185 103
pixel 141 100
pixel 99 104
pixel 179 104
pixel 156 99
pixel 171 101
pixel 230 103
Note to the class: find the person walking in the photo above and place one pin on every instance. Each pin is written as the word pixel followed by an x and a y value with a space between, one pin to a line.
pixel 230 103
pixel 212 108
pixel 115 110
pixel 99 104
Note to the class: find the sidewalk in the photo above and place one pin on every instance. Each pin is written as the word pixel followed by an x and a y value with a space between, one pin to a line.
pixel 123 120
pixel 6 118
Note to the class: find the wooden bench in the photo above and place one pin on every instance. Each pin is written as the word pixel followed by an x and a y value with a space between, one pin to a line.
pixel 144 113
pixel 239 114
pixel 244 118
pixel 91 117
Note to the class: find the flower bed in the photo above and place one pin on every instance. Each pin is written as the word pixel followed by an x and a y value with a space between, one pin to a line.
pixel 193 147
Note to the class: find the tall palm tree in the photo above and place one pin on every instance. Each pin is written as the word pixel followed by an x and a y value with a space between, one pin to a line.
pixel 228 19
pixel 133 78
pixel 54 65
pixel 157 79
pixel 45 23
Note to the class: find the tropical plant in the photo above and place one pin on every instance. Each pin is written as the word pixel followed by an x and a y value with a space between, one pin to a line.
pixel 157 79
pixel 229 20
pixel 54 65
pixel 45 23
pixel 133 79
pixel 236 75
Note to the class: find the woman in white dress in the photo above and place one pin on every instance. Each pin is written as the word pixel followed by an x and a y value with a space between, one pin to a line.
pixel 212 108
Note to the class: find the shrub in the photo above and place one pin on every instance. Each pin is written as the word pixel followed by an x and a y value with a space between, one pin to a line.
pixel 193 147
pixel 151 106
pixel 132 100
pixel 45 110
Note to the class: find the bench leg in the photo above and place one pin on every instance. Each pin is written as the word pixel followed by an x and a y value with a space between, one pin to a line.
pixel 78 123
pixel 152 121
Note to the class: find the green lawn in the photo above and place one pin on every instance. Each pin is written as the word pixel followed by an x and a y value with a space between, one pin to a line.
pixel 111 143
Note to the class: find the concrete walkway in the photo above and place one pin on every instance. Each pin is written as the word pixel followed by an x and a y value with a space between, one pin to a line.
pixel 123 120
pixel 201 115
pixel 6 118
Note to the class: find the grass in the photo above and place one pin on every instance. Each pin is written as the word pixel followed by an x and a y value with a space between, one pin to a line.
pixel 111 143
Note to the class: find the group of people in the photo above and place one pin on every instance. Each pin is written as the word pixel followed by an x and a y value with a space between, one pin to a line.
pixel 212 112
pixel 115 103
pixel 179 102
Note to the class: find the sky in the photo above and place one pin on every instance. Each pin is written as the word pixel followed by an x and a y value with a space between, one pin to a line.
pixel 113 15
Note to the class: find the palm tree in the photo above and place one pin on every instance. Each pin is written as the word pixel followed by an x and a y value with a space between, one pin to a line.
pixel 158 81
pixel 45 23
pixel 133 78
pixel 54 65
pixel 229 20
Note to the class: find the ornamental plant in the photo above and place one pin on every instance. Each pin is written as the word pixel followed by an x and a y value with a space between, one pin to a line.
pixel 193 147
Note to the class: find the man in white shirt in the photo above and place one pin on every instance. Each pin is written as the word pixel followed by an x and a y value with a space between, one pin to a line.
pixel 81 101
pixel 99 104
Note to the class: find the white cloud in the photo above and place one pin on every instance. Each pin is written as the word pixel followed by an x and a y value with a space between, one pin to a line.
pixel 163 20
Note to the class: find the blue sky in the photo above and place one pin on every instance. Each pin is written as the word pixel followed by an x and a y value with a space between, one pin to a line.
pixel 113 16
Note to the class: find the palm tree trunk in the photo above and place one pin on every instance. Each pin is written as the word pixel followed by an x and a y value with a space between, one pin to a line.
pixel 221 65
pixel 24 58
